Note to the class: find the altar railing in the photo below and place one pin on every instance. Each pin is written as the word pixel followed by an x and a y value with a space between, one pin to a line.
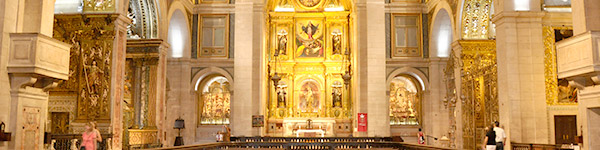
pixel 275 143
pixel 530 146
pixel 67 141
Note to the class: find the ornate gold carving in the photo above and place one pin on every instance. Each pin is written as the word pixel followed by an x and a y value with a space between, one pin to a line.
pixel 479 89
pixel 140 137
pixel 98 5
pixel 309 3
pixel 92 38
pixel 476 20
pixel 404 101
pixel 556 93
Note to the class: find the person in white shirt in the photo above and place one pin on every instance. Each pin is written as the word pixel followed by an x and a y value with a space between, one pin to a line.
pixel 500 136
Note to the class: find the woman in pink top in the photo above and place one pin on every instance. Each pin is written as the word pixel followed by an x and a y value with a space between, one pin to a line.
pixel 88 141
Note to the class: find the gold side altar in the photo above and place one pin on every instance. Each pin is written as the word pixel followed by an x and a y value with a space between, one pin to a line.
pixel 307 48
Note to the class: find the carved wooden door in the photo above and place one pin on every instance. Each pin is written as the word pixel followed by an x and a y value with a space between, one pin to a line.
pixel 565 129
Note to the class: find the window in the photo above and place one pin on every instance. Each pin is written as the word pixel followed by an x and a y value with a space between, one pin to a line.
pixel 214 99
pixel 406 37
pixel 214 36
pixel 404 101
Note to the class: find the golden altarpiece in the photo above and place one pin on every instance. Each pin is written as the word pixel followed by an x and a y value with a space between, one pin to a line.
pixel 308 55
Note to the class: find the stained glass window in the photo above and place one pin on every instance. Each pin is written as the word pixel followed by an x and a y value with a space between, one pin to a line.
pixel 214 101
pixel 404 101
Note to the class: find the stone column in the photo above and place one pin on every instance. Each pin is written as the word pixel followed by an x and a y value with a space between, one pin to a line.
pixel 34 62
pixel 245 72
pixel 433 107
pixel 577 61
pixel 371 96
pixel 520 59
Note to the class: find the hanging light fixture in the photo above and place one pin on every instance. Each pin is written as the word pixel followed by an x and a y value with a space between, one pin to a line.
pixel 275 78
pixel 347 75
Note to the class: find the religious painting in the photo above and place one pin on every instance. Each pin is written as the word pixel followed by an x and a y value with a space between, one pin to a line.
pixel 309 38
pixel 215 96
pixel 309 96
pixel 404 101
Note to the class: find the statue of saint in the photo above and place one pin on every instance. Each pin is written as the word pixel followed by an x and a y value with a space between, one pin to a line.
pixel 308 96
pixel 337 44
pixel 282 45
pixel 336 96
pixel 281 97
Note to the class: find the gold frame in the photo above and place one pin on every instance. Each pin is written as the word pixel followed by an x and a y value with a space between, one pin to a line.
pixel 200 35
pixel 393 34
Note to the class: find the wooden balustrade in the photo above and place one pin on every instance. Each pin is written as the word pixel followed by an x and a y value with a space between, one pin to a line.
pixel 283 143
pixel 65 141
pixel 530 146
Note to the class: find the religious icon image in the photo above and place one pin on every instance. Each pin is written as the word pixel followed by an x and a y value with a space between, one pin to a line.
pixel 309 96
pixel 309 40
pixel 336 40
pixel 282 42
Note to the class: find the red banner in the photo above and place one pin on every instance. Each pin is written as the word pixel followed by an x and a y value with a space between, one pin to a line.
pixel 362 122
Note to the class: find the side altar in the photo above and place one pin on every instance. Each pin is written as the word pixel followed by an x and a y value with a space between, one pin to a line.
pixel 309 66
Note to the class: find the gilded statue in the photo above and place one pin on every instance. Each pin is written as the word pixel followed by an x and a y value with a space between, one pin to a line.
pixel 336 97
pixel 282 44
pixel 337 42
pixel 281 97
pixel 308 95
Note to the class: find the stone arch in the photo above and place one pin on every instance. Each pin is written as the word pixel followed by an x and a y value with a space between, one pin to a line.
pixel 441 31
pixel 200 75
pixel 412 72
pixel 179 31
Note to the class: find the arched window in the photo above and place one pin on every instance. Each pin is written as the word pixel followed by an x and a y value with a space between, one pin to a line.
pixel 214 97
pixel 405 101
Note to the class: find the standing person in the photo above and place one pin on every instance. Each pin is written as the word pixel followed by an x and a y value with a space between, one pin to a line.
pixel 421 137
pixel 500 136
pixel 489 143
pixel 98 136
pixel 88 138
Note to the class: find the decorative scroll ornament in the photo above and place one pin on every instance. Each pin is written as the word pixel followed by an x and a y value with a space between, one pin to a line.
pixel 309 3
pixel 558 91
pixel 99 5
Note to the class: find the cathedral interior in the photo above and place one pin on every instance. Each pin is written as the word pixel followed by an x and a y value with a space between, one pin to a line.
pixel 421 74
